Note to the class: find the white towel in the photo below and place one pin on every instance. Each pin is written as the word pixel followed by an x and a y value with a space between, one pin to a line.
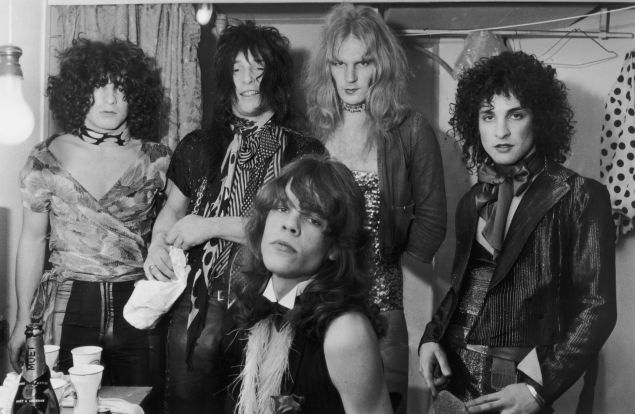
pixel 150 299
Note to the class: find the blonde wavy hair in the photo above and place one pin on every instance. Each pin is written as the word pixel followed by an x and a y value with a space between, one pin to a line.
pixel 386 101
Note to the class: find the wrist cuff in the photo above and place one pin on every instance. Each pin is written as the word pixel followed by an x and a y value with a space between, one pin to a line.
pixel 535 395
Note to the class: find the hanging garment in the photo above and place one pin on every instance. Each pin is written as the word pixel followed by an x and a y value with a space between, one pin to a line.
pixel 617 145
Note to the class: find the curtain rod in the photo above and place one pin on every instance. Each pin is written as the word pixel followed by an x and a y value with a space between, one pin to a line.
pixel 518 33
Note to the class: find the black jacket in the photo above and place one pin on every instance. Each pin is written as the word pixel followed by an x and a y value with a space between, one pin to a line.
pixel 554 283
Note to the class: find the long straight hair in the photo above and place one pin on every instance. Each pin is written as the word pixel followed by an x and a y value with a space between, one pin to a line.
pixel 387 95
pixel 327 188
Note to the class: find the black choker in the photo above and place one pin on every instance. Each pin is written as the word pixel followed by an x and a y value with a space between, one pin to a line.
pixel 93 137
pixel 360 107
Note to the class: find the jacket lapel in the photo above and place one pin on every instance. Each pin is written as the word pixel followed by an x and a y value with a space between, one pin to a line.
pixel 466 222
pixel 548 188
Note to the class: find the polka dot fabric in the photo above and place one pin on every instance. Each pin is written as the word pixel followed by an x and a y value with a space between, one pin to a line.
pixel 617 146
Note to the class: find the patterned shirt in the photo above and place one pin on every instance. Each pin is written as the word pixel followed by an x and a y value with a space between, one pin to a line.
pixel 96 240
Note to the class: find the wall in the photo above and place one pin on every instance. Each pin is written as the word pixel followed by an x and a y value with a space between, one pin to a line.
pixel 22 23
pixel 589 87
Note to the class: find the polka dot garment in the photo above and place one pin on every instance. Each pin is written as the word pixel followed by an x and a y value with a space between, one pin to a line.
pixel 617 145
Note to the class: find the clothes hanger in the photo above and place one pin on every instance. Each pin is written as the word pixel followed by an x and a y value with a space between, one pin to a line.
pixel 553 50
pixel 436 58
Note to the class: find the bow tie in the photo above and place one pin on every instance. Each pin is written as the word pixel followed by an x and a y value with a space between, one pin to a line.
pixel 263 308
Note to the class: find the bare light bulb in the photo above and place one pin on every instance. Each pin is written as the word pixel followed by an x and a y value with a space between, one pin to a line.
pixel 204 13
pixel 16 118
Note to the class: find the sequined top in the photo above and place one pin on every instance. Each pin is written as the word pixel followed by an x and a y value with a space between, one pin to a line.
pixel 387 287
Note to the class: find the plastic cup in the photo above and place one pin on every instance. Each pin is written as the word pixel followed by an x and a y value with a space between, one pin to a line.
pixel 59 386
pixel 51 355
pixel 86 355
pixel 86 380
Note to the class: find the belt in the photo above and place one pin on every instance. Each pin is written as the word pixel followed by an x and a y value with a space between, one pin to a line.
pixel 455 335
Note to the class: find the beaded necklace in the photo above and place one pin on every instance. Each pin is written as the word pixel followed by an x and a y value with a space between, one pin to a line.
pixel 360 107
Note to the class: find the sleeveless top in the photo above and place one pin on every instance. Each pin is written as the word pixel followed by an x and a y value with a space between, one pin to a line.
pixel 309 378
pixel 387 280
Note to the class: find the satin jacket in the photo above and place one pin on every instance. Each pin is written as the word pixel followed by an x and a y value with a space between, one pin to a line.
pixel 413 206
pixel 553 287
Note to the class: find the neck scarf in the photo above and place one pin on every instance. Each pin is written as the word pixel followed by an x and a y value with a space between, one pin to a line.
pixel 253 158
pixel 500 183
pixel 360 107
pixel 119 136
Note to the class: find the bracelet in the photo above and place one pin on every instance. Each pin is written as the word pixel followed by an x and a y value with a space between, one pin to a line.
pixel 535 395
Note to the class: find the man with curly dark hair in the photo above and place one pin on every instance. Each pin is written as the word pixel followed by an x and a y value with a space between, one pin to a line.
pixel 212 180
pixel 306 340
pixel 92 191
pixel 532 299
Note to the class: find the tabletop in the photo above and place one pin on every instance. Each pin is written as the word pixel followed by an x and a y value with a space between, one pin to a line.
pixel 131 394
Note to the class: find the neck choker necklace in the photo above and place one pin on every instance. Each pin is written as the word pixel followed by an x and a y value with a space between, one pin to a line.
pixel 360 107
pixel 119 137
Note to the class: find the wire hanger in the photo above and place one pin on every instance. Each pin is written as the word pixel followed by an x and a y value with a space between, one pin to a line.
pixel 553 50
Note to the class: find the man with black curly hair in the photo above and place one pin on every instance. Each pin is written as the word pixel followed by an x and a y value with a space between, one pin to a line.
pixel 532 299
pixel 92 191
pixel 212 180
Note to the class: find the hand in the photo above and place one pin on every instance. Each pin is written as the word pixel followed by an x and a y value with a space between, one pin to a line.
pixel 513 399
pixel 433 366
pixel 158 265
pixel 189 231
pixel 17 342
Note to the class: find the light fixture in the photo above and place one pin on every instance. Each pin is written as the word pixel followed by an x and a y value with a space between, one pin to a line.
pixel 204 13
pixel 220 24
pixel 16 118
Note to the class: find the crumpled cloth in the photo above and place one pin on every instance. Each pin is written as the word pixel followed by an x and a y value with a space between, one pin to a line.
pixel 151 299
pixel 119 406
pixel 7 391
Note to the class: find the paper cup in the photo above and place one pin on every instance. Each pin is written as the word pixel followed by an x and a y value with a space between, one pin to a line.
pixel 86 380
pixel 51 354
pixel 86 355
pixel 59 386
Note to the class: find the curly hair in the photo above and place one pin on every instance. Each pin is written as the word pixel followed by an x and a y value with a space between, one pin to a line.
pixel 387 95
pixel 327 188
pixel 90 64
pixel 537 89
pixel 267 44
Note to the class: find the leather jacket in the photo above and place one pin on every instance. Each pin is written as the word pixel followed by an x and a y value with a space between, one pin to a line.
pixel 553 287
pixel 413 205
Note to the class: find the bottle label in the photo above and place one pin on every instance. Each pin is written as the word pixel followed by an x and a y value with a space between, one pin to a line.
pixel 34 396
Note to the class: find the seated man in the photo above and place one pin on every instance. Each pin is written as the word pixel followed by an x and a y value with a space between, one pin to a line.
pixel 305 339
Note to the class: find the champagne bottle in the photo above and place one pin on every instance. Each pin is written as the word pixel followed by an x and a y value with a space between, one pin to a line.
pixel 35 394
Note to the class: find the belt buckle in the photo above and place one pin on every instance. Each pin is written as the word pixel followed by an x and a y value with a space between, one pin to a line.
pixel 481 349
pixel 220 295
